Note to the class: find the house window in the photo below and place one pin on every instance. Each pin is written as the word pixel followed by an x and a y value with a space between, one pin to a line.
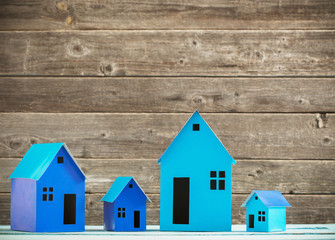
pixel 261 216
pixel 48 195
pixel 217 180
pixel 121 212
pixel 130 185
pixel 196 127
pixel 60 160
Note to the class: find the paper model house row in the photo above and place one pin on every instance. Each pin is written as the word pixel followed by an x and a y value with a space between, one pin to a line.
pixel 48 190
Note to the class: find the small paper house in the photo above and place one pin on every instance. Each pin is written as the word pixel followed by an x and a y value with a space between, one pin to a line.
pixel 125 206
pixel 196 181
pixel 48 191
pixel 266 211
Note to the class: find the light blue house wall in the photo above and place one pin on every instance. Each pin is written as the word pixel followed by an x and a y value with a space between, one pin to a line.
pixel 258 210
pixel 193 155
pixel 277 222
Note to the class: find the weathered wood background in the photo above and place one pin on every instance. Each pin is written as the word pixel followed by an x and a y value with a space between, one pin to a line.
pixel 116 81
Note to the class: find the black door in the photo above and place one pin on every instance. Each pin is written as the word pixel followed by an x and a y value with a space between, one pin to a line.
pixel 136 219
pixel 251 221
pixel 69 208
pixel 181 199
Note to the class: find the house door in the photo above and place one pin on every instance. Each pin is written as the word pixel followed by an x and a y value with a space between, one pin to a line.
pixel 251 221
pixel 70 209
pixel 181 200
pixel 136 219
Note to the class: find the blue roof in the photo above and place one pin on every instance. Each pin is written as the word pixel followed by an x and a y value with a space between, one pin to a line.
pixel 117 187
pixel 269 198
pixel 38 158
pixel 196 116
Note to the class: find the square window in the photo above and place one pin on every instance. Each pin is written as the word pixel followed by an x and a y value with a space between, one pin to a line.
pixel 213 184
pixel 213 173
pixel 51 189
pixel 263 213
pixel 123 214
pixel 222 174
pixel 60 160
pixel 196 127
pixel 51 197
pixel 119 209
pixel 118 214
pixel 221 184
pixel 130 185
pixel 256 198
pixel 123 209
pixel 259 212
pixel 45 189
pixel 45 197
pixel 259 219
pixel 263 219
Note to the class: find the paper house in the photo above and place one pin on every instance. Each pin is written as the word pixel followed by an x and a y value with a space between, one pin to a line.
pixel 266 211
pixel 125 206
pixel 48 191
pixel 196 181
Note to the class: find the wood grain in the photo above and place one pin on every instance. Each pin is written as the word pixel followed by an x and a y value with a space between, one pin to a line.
pixel 168 53
pixel 141 94
pixel 286 176
pixel 305 209
pixel 172 14
pixel 146 136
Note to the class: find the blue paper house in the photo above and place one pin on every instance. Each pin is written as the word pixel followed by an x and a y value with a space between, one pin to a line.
pixel 125 206
pixel 196 181
pixel 266 211
pixel 48 191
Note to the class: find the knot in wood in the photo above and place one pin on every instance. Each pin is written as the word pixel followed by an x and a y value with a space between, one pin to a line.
pixel 62 6
pixel 199 100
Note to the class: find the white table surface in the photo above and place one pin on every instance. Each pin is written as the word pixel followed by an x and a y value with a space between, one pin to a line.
pixel 294 231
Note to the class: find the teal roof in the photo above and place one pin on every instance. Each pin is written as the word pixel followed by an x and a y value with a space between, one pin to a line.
pixel 117 187
pixel 37 160
pixel 269 198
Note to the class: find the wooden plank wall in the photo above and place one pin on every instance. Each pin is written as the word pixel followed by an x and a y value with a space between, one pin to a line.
pixel 116 80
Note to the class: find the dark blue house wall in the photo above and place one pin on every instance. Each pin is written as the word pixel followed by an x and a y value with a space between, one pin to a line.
pixel 23 205
pixel 109 216
pixel 131 199
pixel 59 179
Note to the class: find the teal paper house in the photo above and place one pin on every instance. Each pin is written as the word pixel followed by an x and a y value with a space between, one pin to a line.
pixel 196 181
pixel 266 211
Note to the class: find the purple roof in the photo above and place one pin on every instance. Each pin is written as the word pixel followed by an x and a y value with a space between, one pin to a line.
pixel 268 198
